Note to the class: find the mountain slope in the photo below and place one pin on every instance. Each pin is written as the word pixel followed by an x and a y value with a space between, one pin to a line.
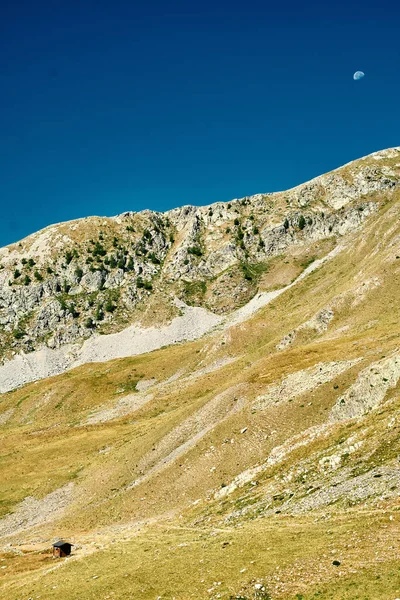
pixel 258 453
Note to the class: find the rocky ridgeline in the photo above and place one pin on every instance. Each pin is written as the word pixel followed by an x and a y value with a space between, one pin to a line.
pixel 71 280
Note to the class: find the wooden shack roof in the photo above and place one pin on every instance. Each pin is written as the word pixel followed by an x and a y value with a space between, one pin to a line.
pixel 61 543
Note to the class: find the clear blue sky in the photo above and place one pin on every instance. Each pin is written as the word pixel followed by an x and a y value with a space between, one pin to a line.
pixel 115 106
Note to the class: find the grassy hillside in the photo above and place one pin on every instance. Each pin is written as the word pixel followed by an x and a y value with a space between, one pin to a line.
pixel 240 465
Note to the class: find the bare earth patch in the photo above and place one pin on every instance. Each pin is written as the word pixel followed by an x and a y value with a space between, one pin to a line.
pixel 32 512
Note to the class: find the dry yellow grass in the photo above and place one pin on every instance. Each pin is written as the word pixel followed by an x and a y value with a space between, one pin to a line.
pixel 292 558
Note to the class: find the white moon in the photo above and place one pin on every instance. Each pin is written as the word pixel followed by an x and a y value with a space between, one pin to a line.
pixel 358 75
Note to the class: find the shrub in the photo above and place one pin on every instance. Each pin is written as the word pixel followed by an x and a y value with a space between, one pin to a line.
pixel 302 222
pixel 147 285
pixel 78 273
pixel 255 230
pixel 31 262
pixel 247 274
pixel 49 270
pixel 72 310
pixel 63 304
pixel 99 316
pixel 286 224
pixel 24 261
pixel 18 333
pixel 68 256
pixel 228 230
pixel 236 222
pixel 17 274
pixel 154 259
pixel 194 289
pixel 196 250
pixel 171 238
pixel 109 306
pixel 99 250
pixel 38 276
pixel 27 280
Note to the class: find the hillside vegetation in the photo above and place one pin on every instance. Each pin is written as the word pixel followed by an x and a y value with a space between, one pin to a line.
pixel 260 458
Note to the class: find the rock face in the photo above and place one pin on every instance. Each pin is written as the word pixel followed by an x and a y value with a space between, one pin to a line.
pixel 72 280
pixel 300 382
pixel 369 390
pixel 318 323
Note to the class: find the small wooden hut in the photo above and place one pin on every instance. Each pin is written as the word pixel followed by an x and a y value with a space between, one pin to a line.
pixel 61 549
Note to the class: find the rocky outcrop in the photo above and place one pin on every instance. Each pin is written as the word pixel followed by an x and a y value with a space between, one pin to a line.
pixel 301 382
pixel 318 323
pixel 370 389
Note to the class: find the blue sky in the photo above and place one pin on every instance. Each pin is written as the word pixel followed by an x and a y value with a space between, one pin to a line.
pixel 115 106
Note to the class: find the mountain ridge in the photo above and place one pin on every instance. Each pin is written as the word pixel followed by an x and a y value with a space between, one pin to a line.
pixel 378 155
pixel 99 275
